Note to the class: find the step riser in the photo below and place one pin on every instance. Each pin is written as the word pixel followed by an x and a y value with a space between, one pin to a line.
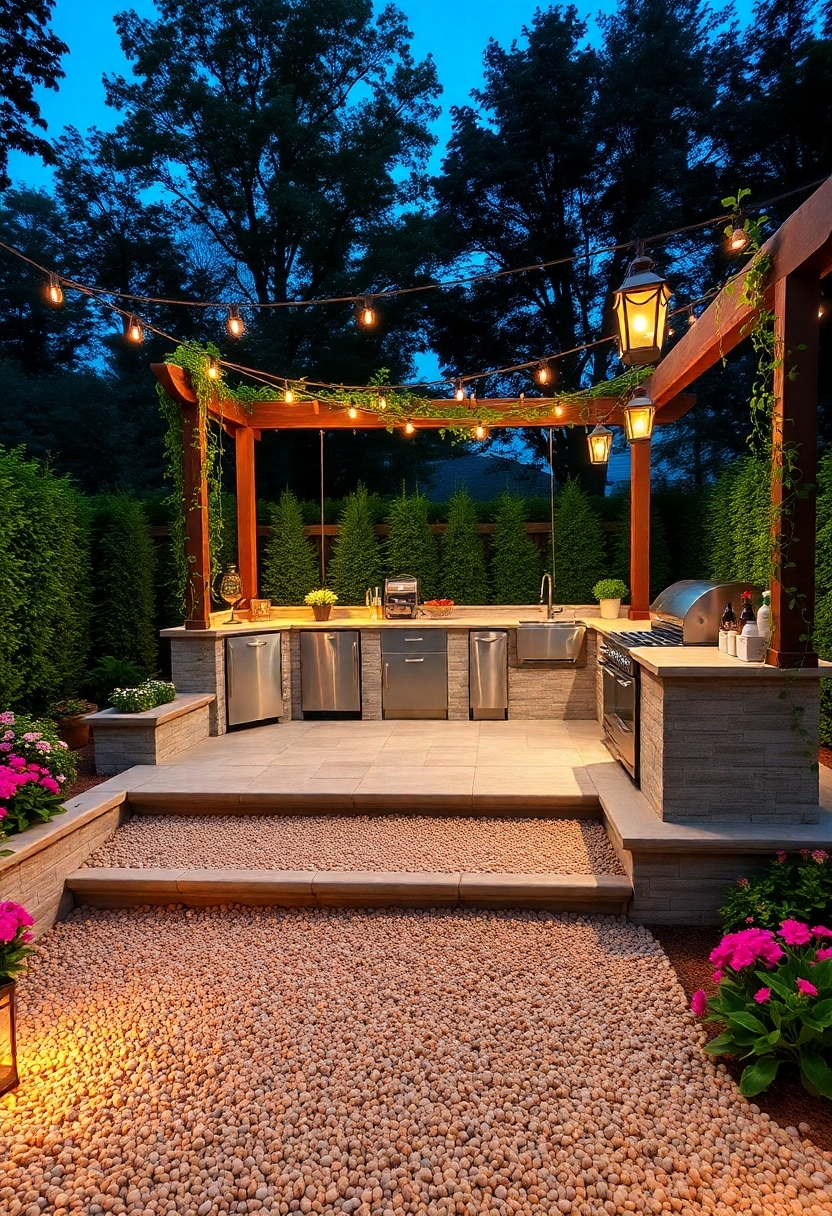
pixel 510 903
pixel 522 807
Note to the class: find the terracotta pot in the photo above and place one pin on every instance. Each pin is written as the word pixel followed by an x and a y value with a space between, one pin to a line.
pixel 610 609
pixel 322 611
pixel 74 731
pixel 8 1059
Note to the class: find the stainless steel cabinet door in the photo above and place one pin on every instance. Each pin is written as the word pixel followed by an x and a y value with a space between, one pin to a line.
pixel 415 686
pixel 488 669
pixel 252 674
pixel 330 671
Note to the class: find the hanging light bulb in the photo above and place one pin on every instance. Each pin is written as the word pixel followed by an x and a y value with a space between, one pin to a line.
pixel 235 324
pixel 366 313
pixel 213 370
pixel 54 291
pixel 480 431
pixel 135 332
pixel 600 442
pixel 640 307
pixel 638 417
pixel 409 428
pixel 822 310
pixel 738 240
pixel 288 395
pixel 352 412
pixel 692 318
pixel 382 402
pixel 558 411
pixel 459 391
pixel 543 374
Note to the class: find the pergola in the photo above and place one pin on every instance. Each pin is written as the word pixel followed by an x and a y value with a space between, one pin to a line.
pixel 801 252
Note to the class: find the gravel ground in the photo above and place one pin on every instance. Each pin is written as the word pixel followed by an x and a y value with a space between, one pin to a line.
pixel 377 842
pixel 245 1060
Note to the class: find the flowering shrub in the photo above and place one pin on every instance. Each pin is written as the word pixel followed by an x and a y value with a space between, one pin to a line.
pixel 28 792
pixel 792 888
pixel 775 999
pixel 146 696
pixel 38 743
pixel 15 923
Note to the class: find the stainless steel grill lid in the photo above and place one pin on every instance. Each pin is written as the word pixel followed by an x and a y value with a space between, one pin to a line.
pixel 696 606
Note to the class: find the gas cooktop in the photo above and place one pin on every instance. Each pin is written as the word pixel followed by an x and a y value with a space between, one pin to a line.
pixel 659 635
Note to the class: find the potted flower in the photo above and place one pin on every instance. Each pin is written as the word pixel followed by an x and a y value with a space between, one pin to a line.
pixel 321 603
pixel 15 924
pixel 69 719
pixel 609 593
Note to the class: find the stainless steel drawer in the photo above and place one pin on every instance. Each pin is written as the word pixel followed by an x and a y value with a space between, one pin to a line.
pixel 414 640
pixel 414 685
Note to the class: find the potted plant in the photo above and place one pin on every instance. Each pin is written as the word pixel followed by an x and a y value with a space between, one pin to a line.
pixel 321 603
pixel 609 593
pixel 69 720
pixel 15 924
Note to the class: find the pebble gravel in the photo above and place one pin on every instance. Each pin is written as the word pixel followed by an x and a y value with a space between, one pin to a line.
pixel 379 842
pixel 265 1060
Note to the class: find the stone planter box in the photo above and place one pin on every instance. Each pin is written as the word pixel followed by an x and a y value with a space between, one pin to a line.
pixel 149 737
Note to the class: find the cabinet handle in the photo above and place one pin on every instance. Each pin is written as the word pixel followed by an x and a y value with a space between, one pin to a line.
pixel 414 660
pixel 386 675
pixel 355 659
pixel 255 643
pixel 414 639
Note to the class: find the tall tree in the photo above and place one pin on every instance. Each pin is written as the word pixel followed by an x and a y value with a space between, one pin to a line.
pixel 30 55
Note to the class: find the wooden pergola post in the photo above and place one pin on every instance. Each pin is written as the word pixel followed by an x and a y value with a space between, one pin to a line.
pixel 195 492
pixel 640 531
pixel 244 437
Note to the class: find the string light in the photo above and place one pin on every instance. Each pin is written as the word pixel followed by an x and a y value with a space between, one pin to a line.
pixel 135 333
pixel 459 391
pixel 480 431
pixel 822 309
pixel 543 375
pixel 409 428
pixel 54 291
pixel 352 411
pixel 213 372
pixel 366 313
pixel 235 324
pixel 288 395
pixel 738 240
pixel 382 402
pixel 558 411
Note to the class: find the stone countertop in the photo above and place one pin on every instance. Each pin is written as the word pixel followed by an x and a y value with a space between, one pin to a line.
pixel 674 662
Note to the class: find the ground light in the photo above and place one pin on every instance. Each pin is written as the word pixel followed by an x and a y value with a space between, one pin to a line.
pixel 638 417
pixel 8 1043
pixel 599 442
pixel 640 307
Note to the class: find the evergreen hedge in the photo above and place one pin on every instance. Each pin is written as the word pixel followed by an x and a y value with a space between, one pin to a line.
pixel 579 546
pixel 464 576
pixel 823 602
pixel 123 590
pixel 515 561
pixel 355 564
pixel 739 523
pixel 289 567
pixel 411 546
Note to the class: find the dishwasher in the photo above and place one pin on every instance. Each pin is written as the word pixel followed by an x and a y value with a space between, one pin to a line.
pixel 414 673
pixel 253 683
pixel 488 674
pixel 330 671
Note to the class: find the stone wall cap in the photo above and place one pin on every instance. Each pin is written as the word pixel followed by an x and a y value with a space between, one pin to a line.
pixel 82 809
pixel 183 703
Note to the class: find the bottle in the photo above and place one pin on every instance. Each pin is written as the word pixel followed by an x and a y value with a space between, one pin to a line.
pixel 729 620
pixel 764 617
pixel 747 616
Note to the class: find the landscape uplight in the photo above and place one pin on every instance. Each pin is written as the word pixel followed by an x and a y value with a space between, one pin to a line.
pixel 640 307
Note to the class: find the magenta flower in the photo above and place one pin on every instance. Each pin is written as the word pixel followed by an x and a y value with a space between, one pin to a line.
pixel 10 908
pixel 8 927
pixel 747 946
pixel 749 920
pixel 717 977
pixel 762 995
pixel 699 1002
pixel 820 931
pixel 49 784
pixel 43 746
pixel 742 882
pixel 795 933
pixel 805 854
pixel 824 953
pixel 820 856
pixel 806 989
pixel 780 856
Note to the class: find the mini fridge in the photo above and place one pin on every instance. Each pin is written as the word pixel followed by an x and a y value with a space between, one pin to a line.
pixel 330 671
pixel 253 682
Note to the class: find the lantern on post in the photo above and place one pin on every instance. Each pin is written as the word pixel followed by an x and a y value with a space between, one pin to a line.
pixel 640 307
pixel 638 417
pixel 599 442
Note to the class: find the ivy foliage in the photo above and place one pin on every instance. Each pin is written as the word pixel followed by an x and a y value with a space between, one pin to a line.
pixel 355 565
pixel 464 575
pixel 411 546
pixel 124 599
pixel 515 561
pixel 289 567
pixel 823 602
pixel 579 546
pixel 44 584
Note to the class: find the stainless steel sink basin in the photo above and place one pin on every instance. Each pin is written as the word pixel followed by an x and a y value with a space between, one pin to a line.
pixel 550 641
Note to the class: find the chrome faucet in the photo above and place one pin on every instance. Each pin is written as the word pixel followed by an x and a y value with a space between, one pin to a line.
pixel 550 611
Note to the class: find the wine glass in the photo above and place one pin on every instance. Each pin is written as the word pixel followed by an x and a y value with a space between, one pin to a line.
pixel 231 590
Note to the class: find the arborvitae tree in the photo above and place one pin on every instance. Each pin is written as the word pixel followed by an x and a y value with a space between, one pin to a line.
pixel 464 574
pixel 515 561
pixel 356 556
pixel 579 546
pixel 289 567
pixel 659 556
pixel 411 546
pixel 124 599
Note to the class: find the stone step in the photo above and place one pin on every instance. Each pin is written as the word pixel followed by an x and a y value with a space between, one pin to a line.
pixel 125 888
pixel 302 801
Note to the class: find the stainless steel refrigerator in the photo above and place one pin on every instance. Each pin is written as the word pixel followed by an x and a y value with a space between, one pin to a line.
pixel 253 682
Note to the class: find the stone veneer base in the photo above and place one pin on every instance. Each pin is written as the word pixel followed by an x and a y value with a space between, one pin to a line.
pixel 124 740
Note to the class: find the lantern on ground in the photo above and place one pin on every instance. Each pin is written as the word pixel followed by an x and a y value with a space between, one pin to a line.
pixel 638 417
pixel 640 307
pixel 599 442
pixel 8 1045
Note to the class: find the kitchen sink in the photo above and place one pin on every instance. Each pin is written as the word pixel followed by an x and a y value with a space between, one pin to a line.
pixel 550 641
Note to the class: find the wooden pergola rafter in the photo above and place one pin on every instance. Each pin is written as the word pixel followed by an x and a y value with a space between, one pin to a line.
pixel 801 253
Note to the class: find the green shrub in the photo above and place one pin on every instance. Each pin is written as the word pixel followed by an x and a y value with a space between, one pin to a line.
pixel 823 604
pixel 464 577
pixel 515 561
pixel 579 546
pixel 110 673
pixel 738 523
pixel 44 584
pixel 356 556
pixel 146 696
pixel 124 601
pixel 659 556
pixel 791 888
pixel 289 566
pixel 610 589
pixel 411 546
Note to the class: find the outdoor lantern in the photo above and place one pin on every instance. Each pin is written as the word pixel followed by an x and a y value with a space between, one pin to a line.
pixel 640 307
pixel 738 240
pixel 134 330
pixel 459 391
pixel 599 442
pixel 288 395
pixel 54 292
pixel 235 324
pixel 366 313
pixel 543 375
pixel 8 1045
pixel 409 428
pixel 638 417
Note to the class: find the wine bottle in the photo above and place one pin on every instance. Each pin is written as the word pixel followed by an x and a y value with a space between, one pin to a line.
pixel 729 620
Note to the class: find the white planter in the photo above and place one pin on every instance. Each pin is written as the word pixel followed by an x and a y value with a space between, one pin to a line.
pixel 610 609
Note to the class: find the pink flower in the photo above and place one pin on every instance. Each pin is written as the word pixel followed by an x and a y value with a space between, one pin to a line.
pixel 62 744
pixel 8 927
pixel 18 762
pixel 43 746
pixel 7 718
pixel 820 931
pixel 749 920
pixel 820 856
pixel 49 784
pixel 805 854
pixel 10 908
pixel 762 995
pixel 795 933
pixel 8 736
pixel 806 989
pixel 32 736
pixel 60 777
pixel 699 1002
pixel 825 953
pixel 742 882
pixel 716 977
pixel 27 937
pixel 5 747
pixel 780 856
pixel 747 946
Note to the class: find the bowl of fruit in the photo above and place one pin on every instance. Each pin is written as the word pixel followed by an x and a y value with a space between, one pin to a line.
pixel 438 608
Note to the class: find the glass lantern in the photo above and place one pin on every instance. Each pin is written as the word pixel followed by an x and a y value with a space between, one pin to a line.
pixel 231 590
pixel 599 442
pixel 638 417
pixel 8 1044
pixel 640 307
